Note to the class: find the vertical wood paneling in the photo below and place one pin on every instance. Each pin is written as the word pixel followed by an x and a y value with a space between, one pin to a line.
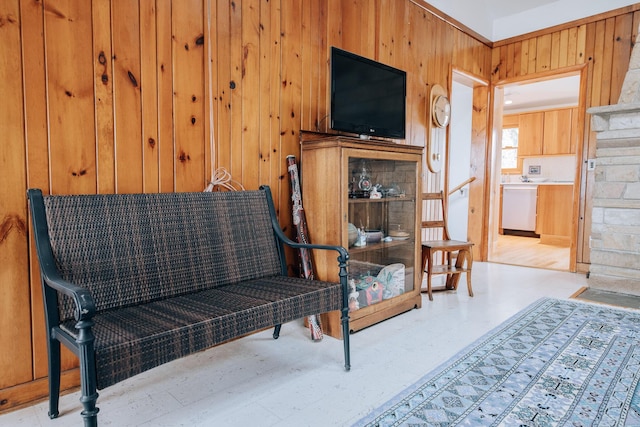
pixel 517 58
pixel 524 60
pixel 607 63
pixel 251 94
pixel 15 316
pixel 572 47
pixel 68 25
pixel 555 52
pixel 274 84
pixel 417 82
pixel 309 57
pixel 211 77
pixel 223 86
pixel 621 53
pixel 581 38
pixel 532 59
pixel 389 41
pixel 149 96
pixel 235 88
pixel 127 96
pixel 103 86
pixel 164 72
pixel 543 53
pixel 563 49
pixel 189 120
pixel 290 95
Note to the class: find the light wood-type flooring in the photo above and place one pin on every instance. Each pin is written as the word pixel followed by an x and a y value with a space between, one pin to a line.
pixel 529 252
pixel 294 382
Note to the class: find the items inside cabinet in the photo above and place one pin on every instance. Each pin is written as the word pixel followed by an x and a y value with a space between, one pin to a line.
pixel 381 215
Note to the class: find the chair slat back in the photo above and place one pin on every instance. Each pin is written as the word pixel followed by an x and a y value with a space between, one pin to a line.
pixel 436 212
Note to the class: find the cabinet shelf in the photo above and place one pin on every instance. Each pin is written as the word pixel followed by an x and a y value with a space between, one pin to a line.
pixel 377 246
pixel 385 276
pixel 383 200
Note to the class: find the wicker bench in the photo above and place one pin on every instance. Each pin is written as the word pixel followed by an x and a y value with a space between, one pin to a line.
pixel 132 281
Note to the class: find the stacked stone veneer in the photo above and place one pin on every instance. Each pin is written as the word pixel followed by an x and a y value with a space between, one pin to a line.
pixel 615 228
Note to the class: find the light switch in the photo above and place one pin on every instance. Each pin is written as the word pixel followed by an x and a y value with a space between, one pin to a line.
pixel 591 164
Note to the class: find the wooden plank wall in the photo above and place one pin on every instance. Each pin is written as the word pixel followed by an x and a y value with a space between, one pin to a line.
pixel 599 48
pixel 123 96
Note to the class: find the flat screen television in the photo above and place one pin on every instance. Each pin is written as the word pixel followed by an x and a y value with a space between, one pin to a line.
pixel 367 97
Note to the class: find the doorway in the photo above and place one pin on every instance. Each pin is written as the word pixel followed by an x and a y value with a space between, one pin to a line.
pixel 527 159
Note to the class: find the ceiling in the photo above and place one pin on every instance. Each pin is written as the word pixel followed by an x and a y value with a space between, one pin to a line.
pixel 554 93
pixel 501 19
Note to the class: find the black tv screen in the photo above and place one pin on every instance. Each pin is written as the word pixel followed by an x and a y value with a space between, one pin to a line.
pixel 367 97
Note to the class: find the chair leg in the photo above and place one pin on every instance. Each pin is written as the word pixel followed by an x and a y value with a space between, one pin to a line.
pixel 426 269
pixel 429 270
pixel 469 264
pixel 454 279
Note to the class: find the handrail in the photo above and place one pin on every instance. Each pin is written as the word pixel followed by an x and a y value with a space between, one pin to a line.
pixel 467 181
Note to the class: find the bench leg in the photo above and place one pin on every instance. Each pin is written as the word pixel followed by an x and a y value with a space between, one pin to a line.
pixel 345 339
pixel 276 332
pixel 54 377
pixel 88 385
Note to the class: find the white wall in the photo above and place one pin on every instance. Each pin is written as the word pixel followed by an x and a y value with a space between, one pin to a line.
pixel 460 159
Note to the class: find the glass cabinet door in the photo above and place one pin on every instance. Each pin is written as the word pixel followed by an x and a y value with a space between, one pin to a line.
pixel 381 229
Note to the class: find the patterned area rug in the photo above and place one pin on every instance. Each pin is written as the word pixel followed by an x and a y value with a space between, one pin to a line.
pixel 556 363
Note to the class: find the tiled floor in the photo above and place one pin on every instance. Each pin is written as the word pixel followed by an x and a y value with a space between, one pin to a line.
pixel 293 381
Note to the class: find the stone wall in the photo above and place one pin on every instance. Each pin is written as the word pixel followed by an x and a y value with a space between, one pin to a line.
pixel 615 231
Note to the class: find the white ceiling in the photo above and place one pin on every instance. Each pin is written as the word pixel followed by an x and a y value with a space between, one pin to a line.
pixel 556 93
pixel 502 19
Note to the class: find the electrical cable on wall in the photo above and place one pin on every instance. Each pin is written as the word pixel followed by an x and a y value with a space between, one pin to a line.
pixel 222 178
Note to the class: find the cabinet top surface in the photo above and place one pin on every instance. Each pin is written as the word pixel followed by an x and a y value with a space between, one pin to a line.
pixel 315 140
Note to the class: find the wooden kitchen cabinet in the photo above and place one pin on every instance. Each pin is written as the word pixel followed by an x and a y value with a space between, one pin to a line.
pixel 530 134
pixel 337 175
pixel 554 221
pixel 558 125
pixel 550 132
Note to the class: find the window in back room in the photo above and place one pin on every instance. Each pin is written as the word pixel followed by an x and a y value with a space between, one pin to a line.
pixel 510 163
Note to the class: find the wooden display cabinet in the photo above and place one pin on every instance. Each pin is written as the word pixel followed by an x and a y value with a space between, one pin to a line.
pixel 338 174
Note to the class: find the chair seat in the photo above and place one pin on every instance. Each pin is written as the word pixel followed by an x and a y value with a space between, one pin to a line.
pixel 447 244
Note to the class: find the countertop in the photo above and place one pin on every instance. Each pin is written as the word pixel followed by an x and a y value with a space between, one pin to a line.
pixel 520 184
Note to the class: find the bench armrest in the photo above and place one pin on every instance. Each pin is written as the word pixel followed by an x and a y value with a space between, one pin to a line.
pixel 343 255
pixel 85 307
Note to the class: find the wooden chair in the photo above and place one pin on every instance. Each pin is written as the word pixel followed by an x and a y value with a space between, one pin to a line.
pixel 456 256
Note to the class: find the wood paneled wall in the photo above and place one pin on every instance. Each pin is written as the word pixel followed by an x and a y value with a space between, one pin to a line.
pixel 599 48
pixel 103 96
pixel 123 96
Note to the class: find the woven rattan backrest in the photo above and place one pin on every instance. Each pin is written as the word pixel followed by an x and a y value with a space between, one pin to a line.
pixel 130 249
